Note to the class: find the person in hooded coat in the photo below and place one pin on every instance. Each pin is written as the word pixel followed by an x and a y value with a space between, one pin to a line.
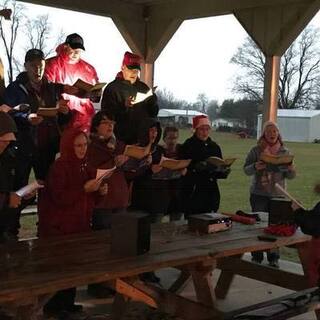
pixel 200 190
pixel 67 67
pixel 118 100
pixel 66 204
pixel 68 198
pixel 264 178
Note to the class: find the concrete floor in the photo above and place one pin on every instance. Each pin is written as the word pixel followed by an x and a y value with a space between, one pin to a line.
pixel 243 292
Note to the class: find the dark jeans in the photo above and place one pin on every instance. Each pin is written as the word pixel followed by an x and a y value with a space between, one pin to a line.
pixel 261 203
pixel 102 218
pixel 63 300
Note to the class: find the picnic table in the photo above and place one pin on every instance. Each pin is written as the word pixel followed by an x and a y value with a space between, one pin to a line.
pixel 32 271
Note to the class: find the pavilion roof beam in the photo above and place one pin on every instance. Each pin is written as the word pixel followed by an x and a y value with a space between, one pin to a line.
pixel 190 9
pixel 274 28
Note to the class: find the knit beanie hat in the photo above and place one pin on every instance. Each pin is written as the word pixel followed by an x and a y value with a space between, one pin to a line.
pixel 7 124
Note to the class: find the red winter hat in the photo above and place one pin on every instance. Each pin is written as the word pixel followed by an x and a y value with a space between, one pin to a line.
pixel 199 121
pixel 131 60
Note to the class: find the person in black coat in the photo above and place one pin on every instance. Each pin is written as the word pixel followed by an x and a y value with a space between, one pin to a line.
pixel 37 137
pixel 309 222
pixel 8 198
pixel 120 97
pixel 200 189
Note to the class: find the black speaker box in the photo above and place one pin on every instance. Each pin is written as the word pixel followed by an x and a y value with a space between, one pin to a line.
pixel 130 234
pixel 280 211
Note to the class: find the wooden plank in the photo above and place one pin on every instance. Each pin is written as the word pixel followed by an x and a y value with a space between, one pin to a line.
pixel 313 305
pixel 86 258
pixel 203 284
pixel 182 281
pixel 263 273
pixel 176 305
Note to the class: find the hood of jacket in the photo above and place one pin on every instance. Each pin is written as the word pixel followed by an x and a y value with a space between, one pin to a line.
pixel 67 152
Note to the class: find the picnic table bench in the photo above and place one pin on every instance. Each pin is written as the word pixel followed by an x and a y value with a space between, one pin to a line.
pixel 32 271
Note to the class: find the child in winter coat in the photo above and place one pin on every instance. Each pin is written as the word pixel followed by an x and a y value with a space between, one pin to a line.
pixel 199 186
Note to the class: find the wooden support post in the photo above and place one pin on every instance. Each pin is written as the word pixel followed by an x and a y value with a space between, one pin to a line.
pixel 163 300
pixel 203 284
pixel 224 281
pixel 147 73
pixel 183 279
pixel 271 88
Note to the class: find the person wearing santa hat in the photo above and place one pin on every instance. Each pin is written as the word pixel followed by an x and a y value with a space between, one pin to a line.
pixel 199 185
pixel 265 177
pixel 120 100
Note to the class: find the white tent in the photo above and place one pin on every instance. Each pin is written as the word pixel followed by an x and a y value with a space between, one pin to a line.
pixel 297 125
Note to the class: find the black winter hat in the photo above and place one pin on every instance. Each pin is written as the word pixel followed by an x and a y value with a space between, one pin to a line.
pixel 7 125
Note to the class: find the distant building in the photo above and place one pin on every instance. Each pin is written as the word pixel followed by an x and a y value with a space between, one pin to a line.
pixel 231 123
pixel 177 116
pixel 297 125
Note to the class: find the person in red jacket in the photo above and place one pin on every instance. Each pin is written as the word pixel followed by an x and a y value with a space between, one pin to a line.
pixel 66 68
pixel 66 204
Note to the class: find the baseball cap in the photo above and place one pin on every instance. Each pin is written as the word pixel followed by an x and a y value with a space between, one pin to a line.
pixel 34 54
pixel 131 61
pixel 75 41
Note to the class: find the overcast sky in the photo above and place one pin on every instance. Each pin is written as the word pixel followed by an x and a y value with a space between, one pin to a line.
pixel 195 60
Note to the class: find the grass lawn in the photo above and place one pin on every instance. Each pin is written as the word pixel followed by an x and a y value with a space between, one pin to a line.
pixel 235 189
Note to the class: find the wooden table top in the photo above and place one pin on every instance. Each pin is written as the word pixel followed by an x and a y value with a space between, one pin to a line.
pixel 42 266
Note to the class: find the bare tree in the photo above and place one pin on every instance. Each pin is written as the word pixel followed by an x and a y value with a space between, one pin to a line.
pixel 9 32
pixel 202 101
pixel 40 35
pixel 299 73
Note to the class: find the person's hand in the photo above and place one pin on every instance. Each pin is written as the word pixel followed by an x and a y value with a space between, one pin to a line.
pixel 92 185
pixel 72 90
pixel 156 168
pixel 260 165
pixel 291 167
pixel 120 160
pixel 30 195
pixel 149 159
pixel 14 200
pixel 5 108
pixel 184 171
pixel 128 102
pixel 63 106
pixel 295 206
pixel 34 119
pixel 103 189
